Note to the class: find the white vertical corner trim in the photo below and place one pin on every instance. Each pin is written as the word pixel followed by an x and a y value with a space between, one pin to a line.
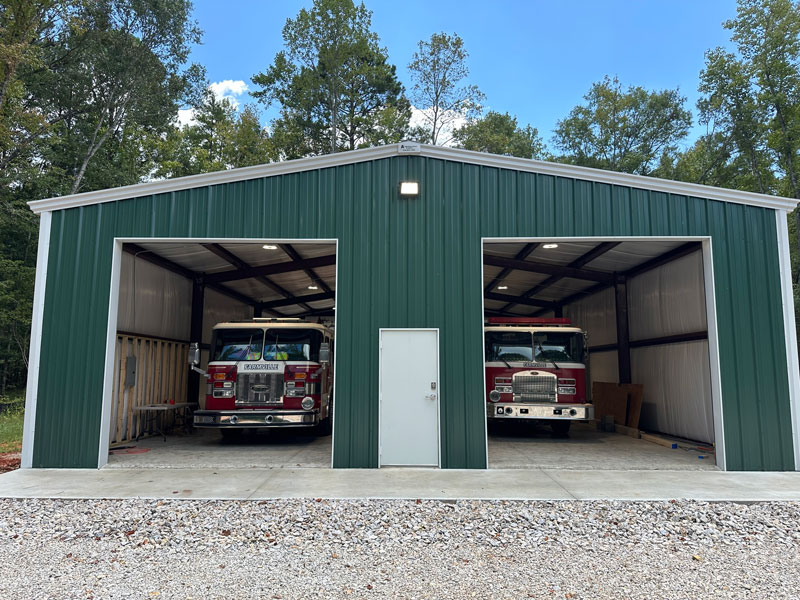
pixel 787 298
pixel 32 389
pixel 111 341
pixel 335 337
pixel 483 356
pixel 713 354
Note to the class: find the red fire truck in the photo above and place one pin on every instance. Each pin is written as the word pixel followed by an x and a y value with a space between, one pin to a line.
pixel 266 373
pixel 536 369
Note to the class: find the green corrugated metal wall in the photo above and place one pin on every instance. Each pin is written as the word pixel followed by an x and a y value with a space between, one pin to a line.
pixel 414 263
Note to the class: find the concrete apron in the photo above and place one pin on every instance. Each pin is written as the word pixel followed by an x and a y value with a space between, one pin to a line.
pixel 406 483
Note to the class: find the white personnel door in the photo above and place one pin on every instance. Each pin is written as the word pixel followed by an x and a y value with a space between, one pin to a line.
pixel 409 397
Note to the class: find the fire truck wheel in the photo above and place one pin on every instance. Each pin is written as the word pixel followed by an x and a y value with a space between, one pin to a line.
pixel 229 435
pixel 560 428
pixel 325 427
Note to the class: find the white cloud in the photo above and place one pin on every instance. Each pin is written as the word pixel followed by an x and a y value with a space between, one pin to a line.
pixel 230 89
pixel 186 117
pixel 446 134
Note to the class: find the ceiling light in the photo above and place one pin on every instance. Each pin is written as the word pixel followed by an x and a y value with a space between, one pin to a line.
pixel 550 246
pixel 409 188
pixel 269 247
pixel 313 287
pixel 502 287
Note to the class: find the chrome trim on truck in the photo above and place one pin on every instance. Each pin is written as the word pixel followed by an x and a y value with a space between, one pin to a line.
pixel 233 419
pixel 525 410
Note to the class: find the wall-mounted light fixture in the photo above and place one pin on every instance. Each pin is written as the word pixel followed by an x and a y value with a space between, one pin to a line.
pixel 409 188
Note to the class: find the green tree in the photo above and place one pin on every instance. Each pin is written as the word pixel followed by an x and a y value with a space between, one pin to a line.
pixel 218 139
pixel 623 130
pixel 437 69
pixel 498 133
pixel 333 83
pixel 86 88
pixel 751 103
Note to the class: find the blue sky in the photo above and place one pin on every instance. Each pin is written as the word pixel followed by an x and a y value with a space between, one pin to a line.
pixel 533 59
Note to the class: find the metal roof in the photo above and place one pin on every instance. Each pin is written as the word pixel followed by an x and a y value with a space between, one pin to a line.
pixel 412 149
pixel 296 282
pixel 614 258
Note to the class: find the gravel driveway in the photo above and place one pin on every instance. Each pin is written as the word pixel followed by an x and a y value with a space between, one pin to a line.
pixel 398 549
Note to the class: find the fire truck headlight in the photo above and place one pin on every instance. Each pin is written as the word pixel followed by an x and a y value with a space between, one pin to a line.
pixel 494 396
pixel 567 390
pixel 307 403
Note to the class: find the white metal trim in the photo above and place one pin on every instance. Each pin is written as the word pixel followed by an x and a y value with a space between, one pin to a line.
pixel 113 308
pixel 711 314
pixel 335 351
pixel 439 152
pixel 787 299
pixel 438 394
pixel 483 359
pixel 111 342
pixel 34 356
pixel 713 354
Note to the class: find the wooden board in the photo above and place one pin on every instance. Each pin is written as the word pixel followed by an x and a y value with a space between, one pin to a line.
pixel 623 402
pixel 635 397
pixel 162 372
pixel 610 399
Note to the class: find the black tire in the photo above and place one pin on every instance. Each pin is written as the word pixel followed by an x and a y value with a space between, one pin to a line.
pixel 325 426
pixel 560 428
pixel 231 435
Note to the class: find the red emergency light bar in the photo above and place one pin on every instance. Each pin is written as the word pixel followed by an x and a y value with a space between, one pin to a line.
pixel 528 321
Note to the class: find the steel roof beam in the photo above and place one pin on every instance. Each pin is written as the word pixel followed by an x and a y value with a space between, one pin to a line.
pixel 237 262
pixel 298 299
pixel 653 263
pixel 165 263
pixel 292 253
pixel 579 262
pixel 521 255
pixel 517 300
pixel 549 269
pixel 272 269
pixel 667 257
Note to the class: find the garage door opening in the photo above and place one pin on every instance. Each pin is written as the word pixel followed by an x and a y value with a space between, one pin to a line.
pixel 171 293
pixel 601 354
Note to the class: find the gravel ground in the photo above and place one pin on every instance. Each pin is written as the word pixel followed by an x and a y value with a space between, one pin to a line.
pixel 398 549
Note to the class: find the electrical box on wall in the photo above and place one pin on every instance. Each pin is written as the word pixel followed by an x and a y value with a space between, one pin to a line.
pixel 130 371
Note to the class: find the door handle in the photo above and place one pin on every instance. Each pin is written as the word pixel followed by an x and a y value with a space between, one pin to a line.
pixel 431 397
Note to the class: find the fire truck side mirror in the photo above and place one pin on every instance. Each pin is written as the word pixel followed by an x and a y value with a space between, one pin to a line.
pixel 194 353
pixel 325 353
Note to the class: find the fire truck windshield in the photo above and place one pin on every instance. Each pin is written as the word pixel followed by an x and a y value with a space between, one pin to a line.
pixel 237 344
pixel 293 344
pixel 508 346
pixel 556 345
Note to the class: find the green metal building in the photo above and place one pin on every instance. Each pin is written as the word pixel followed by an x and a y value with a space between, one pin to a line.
pixel 414 262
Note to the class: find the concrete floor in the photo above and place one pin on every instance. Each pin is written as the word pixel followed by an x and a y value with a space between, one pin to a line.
pixel 205 448
pixel 511 446
pixel 532 446
pixel 446 484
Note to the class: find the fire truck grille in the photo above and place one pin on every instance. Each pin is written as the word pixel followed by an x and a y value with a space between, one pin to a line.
pixel 528 388
pixel 259 389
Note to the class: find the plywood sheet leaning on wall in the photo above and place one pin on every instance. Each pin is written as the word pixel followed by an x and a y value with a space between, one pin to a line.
pixel 623 402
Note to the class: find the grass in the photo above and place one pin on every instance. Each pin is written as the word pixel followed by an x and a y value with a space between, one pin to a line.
pixel 11 423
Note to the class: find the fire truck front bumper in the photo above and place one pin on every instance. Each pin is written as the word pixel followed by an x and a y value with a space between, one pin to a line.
pixel 540 410
pixel 240 419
